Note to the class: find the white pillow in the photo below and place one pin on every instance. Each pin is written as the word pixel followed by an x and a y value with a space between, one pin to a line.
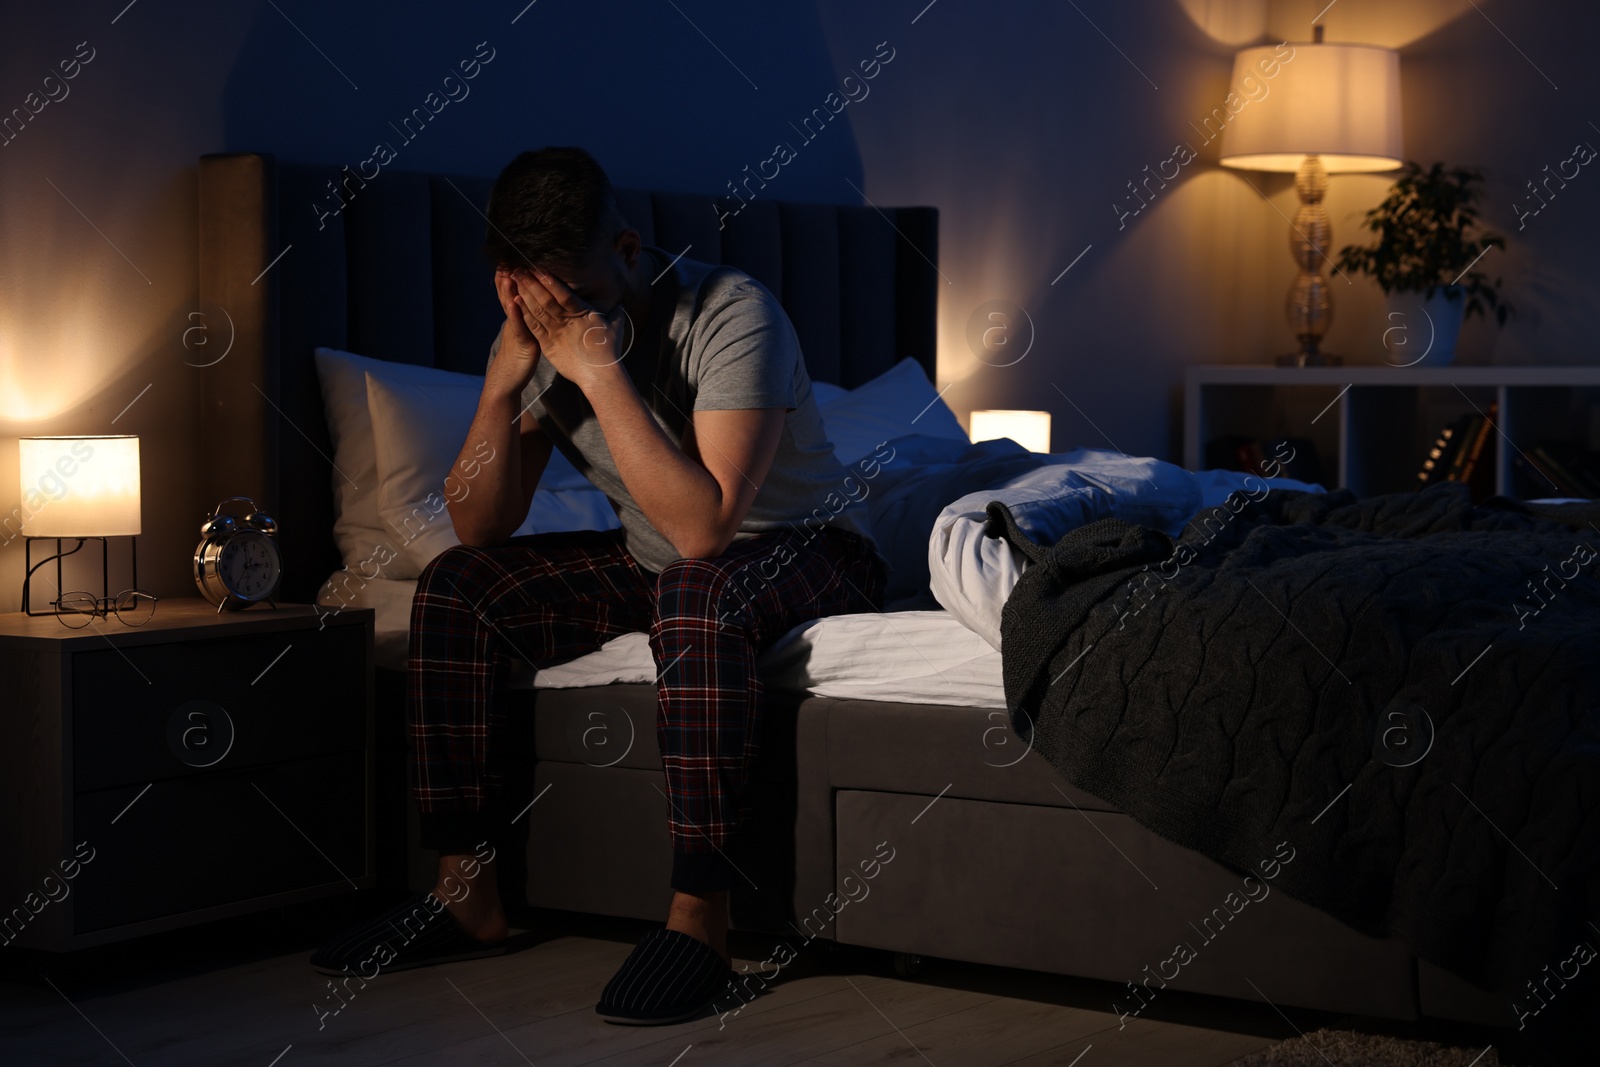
pixel 418 429
pixel 357 529
pixel 897 402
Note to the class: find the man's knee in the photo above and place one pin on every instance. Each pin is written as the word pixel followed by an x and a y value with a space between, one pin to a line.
pixel 454 572
pixel 698 589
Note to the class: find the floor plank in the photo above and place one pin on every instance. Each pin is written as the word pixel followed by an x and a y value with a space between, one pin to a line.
pixel 1154 1045
pixel 990 1034
pixel 803 1018
pixel 838 1008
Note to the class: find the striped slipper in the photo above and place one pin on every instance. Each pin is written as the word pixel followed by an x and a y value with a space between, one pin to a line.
pixel 669 978
pixel 415 933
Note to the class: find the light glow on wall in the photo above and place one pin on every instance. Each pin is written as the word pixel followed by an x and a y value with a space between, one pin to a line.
pixel 1030 429
pixel 35 389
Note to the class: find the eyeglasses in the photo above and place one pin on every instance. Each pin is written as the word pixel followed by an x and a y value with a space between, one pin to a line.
pixel 132 607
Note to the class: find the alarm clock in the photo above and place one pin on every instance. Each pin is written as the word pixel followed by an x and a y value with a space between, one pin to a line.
pixel 237 562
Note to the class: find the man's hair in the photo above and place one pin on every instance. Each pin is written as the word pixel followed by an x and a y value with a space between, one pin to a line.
pixel 548 208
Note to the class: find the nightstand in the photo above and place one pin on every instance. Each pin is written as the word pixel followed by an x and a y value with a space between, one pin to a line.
pixel 200 766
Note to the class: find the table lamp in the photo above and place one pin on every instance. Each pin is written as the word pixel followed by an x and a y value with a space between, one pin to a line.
pixel 1030 429
pixel 1331 108
pixel 81 489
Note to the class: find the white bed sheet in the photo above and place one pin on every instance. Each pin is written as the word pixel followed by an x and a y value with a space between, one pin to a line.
pixel 921 657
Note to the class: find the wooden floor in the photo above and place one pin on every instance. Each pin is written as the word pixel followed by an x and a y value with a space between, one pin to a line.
pixel 257 1006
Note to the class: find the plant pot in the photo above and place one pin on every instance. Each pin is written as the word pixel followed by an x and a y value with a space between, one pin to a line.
pixel 1423 332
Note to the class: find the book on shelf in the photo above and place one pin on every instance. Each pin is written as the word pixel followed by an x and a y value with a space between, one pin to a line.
pixel 1436 464
pixel 1477 469
pixel 1277 457
pixel 1564 467
pixel 1297 458
pixel 1539 481
pixel 1461 453
pixel 1232 453
pixel 1468 431
pixel 1249 457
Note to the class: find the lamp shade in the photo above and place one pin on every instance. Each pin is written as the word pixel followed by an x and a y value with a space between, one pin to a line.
pixel 1340 102
pixel 80 486
pixel 1030 429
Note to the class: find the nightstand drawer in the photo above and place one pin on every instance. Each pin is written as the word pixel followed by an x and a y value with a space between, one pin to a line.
pixel 151 712
pixel 192 843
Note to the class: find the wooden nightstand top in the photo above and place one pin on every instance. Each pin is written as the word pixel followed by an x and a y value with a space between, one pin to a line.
pixel 176 619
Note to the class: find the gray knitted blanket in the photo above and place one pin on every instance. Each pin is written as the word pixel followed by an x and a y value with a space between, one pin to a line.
pixel 1406 688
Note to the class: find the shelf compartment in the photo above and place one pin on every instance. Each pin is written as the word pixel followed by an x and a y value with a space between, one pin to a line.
pixel 1389 431
pixel 1385 419
pixel 1536 416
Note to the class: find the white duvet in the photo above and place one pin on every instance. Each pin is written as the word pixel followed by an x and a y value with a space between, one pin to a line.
pixel 972 574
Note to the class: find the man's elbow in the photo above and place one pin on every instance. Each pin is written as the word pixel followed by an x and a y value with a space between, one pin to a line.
pixel 703 549
pixel 479 539
pixel 704 544
pixel 477 534
pixel 474 538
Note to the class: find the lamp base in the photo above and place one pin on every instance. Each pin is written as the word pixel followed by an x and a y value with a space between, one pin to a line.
pixel 1307 359
pixel 105 568
pixel 1309 304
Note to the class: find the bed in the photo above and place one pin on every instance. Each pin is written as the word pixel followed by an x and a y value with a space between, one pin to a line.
pixel 883 737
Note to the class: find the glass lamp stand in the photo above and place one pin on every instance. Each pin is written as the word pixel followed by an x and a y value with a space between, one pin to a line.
pixel 1309 305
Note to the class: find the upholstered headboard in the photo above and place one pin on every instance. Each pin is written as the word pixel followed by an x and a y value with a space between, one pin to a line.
pixel 296 256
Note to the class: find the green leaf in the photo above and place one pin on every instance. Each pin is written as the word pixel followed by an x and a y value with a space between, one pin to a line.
pixel 1428 231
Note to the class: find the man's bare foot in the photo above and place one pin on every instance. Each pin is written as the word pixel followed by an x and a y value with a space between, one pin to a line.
pixel 471 895
pixel 704 918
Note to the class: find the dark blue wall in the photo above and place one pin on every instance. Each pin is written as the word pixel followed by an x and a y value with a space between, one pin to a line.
pixel 635 82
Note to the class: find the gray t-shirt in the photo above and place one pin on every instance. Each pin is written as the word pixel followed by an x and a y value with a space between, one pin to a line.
pixel 728 345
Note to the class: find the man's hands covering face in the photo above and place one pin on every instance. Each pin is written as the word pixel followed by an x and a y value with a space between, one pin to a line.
pixel 513 367
pixel 580 342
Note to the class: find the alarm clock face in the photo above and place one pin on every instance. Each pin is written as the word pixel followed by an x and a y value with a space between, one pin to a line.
pixel 248 566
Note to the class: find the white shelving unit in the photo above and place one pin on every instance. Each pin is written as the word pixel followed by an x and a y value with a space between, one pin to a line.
pixel 1372 425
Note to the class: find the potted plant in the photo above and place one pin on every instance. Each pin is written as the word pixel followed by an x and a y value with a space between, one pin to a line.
pixel 1430 243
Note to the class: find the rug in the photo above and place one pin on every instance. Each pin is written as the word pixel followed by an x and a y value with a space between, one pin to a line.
pixel 1346 1048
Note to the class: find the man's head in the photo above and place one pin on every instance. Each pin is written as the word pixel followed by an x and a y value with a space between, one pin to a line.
pixel 554 209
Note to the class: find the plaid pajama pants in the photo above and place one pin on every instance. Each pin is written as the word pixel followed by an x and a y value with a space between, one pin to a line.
pixel 547 598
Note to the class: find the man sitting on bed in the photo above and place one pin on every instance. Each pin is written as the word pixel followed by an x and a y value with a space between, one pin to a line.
pixel 679 390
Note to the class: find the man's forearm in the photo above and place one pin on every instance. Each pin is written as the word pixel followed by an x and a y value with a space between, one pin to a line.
pixel 679 496
pixel 485 512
